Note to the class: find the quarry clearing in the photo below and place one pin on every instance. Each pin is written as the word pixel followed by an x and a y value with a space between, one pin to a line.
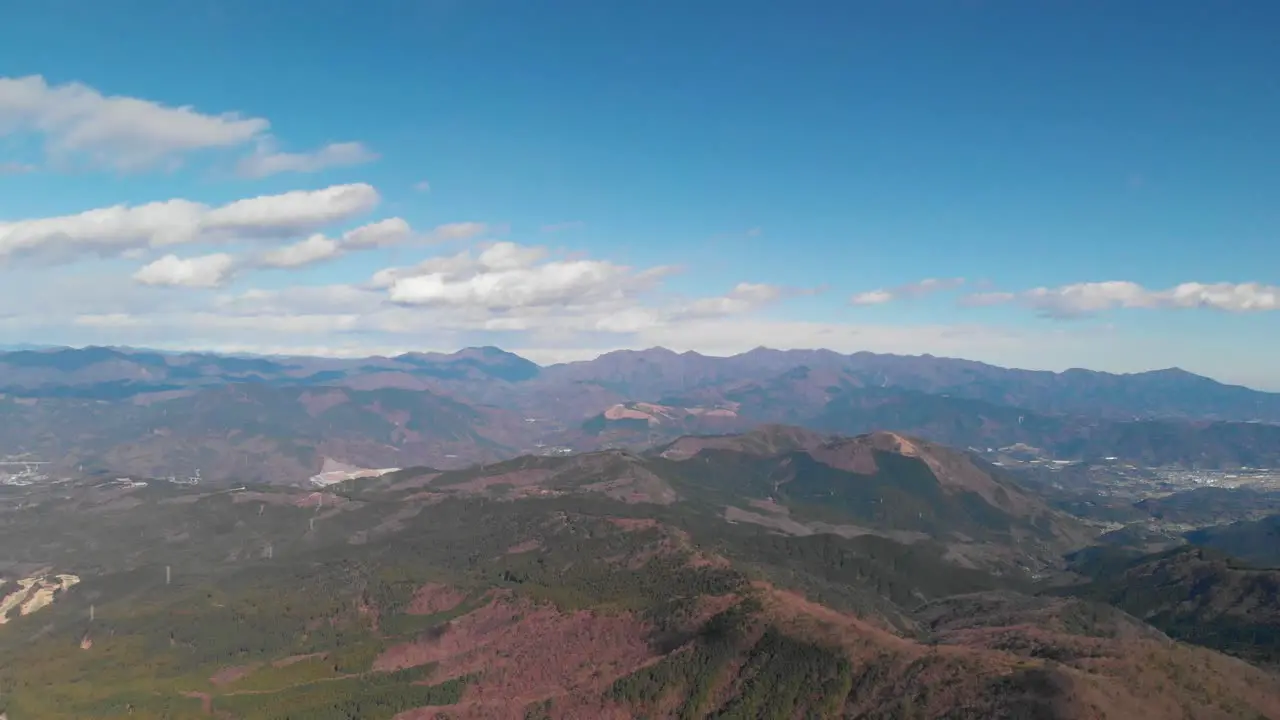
pixel 34 593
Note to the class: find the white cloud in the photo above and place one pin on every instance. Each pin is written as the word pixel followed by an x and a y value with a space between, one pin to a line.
pixel 379 234
pixel 507 276
pixel 457 231
pixel 114 230
pixel 510 256
pixel 266 160
pixel 422 186
pixel 122 133
pixel 316 248
pixel 1093 297
pixel 129 134
pixel 206 323
pixel 290 212
pixel 16 168
pixel 304 252
pixel 872 297
pixel 744 297
pixel 205 271
pixel 984 299
pixel 924 287
pixel 322 299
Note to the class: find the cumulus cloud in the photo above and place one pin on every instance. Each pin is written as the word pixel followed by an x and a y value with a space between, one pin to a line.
pixel 207 323
pixel 338 299
pixel 383 233
pixel 16 168
pixel 120 228
pixel 122 133
pixel 924 287
pixel 317 247
pixel 457 231
pixel 129 134
pixel 304 252
pixel 205 271
pixel 872 297
pixel 290 212
pixel 506 275
pixel 1093 297
pixel 266 160
pixel 744 297
pixel 422 186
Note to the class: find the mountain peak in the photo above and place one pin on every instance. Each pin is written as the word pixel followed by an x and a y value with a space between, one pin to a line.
pixel 1174 373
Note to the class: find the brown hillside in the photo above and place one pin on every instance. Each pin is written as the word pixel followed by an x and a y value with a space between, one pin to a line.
pixel 1026 665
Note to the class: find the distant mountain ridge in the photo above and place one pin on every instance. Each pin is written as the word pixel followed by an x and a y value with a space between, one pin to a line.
pixel 649 374
pixel 622 398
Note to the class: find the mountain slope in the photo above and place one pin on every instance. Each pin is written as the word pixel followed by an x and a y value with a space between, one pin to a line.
pixel 1254 541
pixel 801 485
pixel 256 431
pixel 876 482
pixel 378 604
pixel 1198 595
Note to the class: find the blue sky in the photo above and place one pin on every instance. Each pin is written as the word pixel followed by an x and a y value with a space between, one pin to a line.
pixel 1043 185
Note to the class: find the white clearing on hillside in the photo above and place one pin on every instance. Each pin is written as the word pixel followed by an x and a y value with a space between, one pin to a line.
pixel 33 593
pixel 333 471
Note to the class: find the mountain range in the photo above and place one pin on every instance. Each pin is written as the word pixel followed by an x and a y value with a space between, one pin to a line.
pixel 280 419
pixel 777 573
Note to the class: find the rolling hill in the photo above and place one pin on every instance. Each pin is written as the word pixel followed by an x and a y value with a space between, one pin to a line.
pixel 606 584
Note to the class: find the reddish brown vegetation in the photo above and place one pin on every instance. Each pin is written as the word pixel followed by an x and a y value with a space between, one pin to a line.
pixel 206 701
pixel 524 547
pixel 433 598
pixel 525 653
pixel 319 499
